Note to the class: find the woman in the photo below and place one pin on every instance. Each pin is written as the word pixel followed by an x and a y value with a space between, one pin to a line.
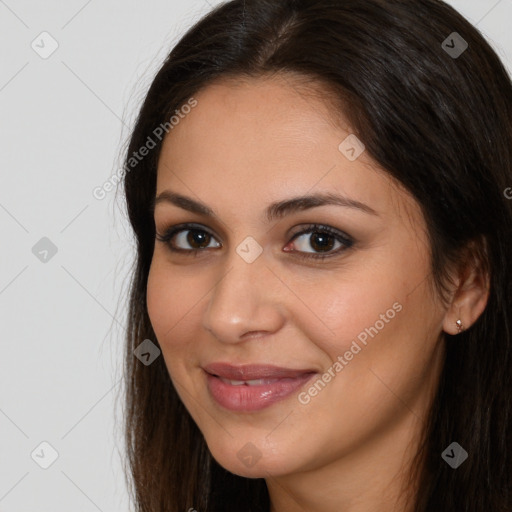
pixel 318 194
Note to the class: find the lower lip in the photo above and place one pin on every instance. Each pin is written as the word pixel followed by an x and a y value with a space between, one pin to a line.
pixel 253 398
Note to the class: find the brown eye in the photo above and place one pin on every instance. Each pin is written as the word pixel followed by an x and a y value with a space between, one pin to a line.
pixel 322 242
pixel 322 239
pixel 198 239
pixel 192 239
pixel 187 239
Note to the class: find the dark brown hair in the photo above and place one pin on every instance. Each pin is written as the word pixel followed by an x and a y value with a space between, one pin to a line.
pixel 438 124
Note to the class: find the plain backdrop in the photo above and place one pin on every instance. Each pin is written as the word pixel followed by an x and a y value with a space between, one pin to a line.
pixel 65 255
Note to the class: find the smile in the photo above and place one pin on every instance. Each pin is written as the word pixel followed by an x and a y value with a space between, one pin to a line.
pixel 252 387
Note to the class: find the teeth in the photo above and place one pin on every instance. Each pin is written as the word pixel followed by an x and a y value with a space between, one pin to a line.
pixel 233 382
pixel 256 382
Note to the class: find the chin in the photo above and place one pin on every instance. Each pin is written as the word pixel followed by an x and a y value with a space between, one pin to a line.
pixel 251 460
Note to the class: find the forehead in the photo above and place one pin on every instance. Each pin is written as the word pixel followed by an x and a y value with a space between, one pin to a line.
pixel 266 106
pixel 267 138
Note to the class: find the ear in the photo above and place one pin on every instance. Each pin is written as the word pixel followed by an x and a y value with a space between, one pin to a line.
pixel 471 291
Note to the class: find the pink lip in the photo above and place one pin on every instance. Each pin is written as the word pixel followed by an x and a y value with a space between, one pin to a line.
pixel 244 397
pixel 253 371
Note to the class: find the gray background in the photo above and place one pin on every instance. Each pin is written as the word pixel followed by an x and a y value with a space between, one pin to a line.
pixel 64 121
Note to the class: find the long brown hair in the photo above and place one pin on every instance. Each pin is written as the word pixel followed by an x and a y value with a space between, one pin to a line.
pixel 440 124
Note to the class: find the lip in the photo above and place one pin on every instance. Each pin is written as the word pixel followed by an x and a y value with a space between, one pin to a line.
pixel 253 371
pixel 282 382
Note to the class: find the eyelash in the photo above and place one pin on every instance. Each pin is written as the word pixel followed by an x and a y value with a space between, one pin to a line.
pixel 312 228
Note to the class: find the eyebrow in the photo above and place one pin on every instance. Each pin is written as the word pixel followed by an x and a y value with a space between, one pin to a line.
pixel 274 211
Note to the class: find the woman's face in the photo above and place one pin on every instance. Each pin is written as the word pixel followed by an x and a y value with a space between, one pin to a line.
pixel 361 326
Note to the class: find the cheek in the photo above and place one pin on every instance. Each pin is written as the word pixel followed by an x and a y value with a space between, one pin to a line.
pixel 386 338
pixel 379 316
pixel 170 301
pixel 376 295
pixel 172 305
pixel 353 308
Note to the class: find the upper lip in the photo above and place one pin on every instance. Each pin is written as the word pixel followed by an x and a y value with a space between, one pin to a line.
pixel 253 371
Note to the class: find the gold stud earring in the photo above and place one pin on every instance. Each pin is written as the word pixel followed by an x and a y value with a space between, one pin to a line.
pixel 460 327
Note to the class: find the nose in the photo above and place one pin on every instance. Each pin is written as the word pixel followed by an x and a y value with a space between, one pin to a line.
pixel 248 300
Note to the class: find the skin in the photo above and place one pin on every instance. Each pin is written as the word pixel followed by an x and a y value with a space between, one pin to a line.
pixel 247 144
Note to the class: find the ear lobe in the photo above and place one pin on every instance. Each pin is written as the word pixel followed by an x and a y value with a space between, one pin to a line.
pixel 472 293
